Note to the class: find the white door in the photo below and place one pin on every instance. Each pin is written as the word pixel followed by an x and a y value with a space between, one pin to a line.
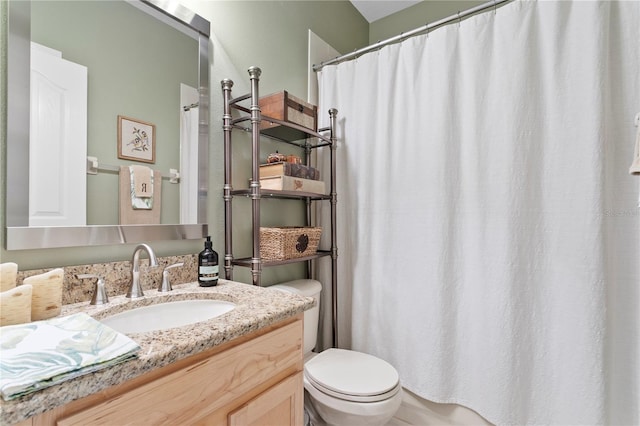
pixel 318 51
pixel 58 140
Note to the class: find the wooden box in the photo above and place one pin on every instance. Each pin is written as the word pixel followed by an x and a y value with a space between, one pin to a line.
pixel 289 242
pixel 289 169
pixel 290 183
pixel 285 107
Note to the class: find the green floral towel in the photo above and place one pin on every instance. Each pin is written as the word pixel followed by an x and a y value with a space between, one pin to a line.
pixel 40 354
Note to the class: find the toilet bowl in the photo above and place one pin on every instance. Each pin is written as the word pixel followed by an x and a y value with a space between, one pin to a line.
pixel 343 387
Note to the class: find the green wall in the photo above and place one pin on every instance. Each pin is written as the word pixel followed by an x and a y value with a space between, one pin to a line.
pixel 420 14
pixel 273 35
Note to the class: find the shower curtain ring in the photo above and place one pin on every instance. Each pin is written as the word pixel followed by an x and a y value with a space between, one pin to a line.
pixel 459 20
pixel 495 7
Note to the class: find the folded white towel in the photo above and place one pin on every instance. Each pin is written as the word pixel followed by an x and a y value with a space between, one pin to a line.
pixel 41 354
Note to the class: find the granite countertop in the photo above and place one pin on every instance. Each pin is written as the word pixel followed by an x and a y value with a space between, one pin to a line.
pixel 256 307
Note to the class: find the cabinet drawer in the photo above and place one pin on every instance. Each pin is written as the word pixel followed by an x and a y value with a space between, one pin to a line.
pixel 195 392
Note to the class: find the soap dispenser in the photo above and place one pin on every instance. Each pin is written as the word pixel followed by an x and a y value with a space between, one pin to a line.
pixel 208 265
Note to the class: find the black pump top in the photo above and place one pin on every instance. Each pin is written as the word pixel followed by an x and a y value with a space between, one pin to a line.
pixel 207 244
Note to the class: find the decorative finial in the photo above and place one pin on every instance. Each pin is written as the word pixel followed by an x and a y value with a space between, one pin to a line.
pixel 254 72
pixel 226 84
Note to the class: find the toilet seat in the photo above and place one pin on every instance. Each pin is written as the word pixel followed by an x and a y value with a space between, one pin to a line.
pixel 352 376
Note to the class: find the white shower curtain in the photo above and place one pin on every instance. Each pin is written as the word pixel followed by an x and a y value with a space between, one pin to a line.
pixel 189 172
pixel 489 237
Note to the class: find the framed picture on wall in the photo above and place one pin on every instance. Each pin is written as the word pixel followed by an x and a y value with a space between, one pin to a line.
pixel 136 140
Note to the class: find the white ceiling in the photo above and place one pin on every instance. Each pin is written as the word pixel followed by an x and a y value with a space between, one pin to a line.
pixel 373 10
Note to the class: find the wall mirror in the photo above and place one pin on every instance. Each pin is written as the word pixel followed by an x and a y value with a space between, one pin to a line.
pixel 146 70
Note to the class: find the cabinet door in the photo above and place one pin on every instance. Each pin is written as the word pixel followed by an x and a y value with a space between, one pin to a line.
pixel 281 405
pixel 203 393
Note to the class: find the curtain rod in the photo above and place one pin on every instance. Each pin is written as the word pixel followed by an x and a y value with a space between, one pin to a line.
pixel 453 18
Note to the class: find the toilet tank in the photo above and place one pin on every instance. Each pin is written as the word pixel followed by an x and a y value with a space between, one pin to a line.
pixel 307 288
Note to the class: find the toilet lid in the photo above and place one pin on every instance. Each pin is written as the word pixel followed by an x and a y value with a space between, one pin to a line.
pixel 352 375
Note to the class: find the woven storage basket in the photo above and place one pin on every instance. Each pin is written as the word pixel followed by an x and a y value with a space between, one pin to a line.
pixel 289 242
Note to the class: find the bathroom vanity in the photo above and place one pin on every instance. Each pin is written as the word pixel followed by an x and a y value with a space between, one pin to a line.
pixel 244 367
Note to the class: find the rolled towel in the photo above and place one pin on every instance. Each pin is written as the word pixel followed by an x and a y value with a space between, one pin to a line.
pixel 15 305
pixel 8 275
pixel 46 301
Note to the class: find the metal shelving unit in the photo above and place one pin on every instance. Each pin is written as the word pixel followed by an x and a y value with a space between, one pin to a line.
pixel 247 119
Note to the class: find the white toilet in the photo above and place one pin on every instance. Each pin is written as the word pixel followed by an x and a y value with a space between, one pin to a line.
pixel 343 387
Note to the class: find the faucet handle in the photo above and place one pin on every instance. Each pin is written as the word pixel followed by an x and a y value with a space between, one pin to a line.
pixel 99 293
pixel 166 284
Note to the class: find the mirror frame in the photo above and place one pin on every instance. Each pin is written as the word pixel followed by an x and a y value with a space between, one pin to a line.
pixel 19 235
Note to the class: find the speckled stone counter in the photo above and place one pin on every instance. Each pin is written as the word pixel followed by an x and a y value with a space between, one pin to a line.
pixel 256 307
pixel 117 276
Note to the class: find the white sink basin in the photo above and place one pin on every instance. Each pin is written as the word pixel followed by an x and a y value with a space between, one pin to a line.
pixel 167 315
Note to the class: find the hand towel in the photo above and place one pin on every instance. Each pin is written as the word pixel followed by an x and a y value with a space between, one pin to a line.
pixel 142 181
pixel 128 214
pixel 141 187
pixel 41 354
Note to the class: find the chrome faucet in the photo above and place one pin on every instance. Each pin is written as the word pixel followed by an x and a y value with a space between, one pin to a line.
pixel 135 290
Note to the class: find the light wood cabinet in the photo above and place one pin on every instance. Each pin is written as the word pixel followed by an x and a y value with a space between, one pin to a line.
pixel 255 379
pixel 276 406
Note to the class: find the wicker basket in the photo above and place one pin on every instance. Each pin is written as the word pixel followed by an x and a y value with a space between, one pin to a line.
pixel 289 242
